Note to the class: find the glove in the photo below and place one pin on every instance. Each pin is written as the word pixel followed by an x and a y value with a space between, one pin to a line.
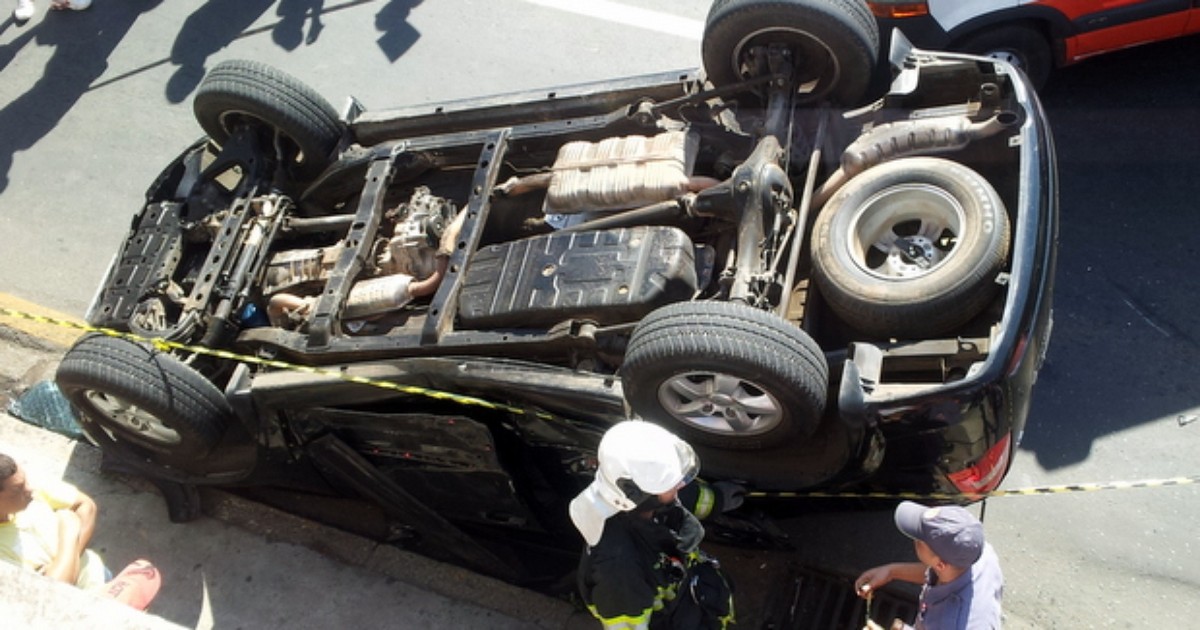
pixel 730 495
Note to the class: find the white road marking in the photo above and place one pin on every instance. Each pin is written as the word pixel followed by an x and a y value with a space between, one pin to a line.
pixel 631 16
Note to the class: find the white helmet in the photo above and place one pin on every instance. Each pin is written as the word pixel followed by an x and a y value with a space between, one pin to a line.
pixel 637 460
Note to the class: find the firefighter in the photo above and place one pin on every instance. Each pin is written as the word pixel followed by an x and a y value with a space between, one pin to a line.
pixel 642 567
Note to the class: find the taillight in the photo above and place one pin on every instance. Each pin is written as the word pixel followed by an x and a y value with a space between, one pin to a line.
pixel 1018 355
pixel 987 473
pixel 898 10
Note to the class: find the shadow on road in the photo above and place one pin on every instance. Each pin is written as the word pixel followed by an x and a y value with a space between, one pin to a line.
pixel 218 22
pixel 82 43
pixel 1125 341
pixel 398 35
pixel 206 31
pixel 289 33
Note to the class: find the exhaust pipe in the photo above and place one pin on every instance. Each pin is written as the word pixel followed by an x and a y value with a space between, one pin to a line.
pixel 909 137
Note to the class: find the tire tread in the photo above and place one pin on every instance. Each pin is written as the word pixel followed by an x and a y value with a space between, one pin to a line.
pixel 158 382
pixel 730 335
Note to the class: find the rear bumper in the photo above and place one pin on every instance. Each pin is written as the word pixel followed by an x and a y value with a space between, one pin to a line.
pixel 959 436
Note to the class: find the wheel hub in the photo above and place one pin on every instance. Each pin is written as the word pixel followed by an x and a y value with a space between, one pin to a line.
pixel 1008 56
pixel 905 231
pixel 720 403
pixel 912 256
pixel 133 419
pixel 815 67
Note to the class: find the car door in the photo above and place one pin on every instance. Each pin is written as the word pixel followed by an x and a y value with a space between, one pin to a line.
pixel 1193 21
pixel 1110 25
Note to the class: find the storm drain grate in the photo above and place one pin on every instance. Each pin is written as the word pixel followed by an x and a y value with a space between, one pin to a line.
pixel 823 601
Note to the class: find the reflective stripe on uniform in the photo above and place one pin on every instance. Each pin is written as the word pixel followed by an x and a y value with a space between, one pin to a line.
pixel 705 500
pixel 641 621
pixel 624 622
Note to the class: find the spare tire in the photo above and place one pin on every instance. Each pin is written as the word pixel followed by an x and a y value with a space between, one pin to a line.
pixel 911 248
pixel 725 375
pixel 834 44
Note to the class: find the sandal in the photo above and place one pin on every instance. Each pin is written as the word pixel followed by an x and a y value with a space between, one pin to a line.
pixel 76 5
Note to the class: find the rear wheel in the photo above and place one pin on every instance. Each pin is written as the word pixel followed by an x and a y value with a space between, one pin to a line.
pixel 143 405
pixel 833 44
pixel 725 375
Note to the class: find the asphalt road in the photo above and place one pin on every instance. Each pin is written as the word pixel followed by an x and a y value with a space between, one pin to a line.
pixel 93 104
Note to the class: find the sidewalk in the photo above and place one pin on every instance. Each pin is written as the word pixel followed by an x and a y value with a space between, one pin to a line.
pixel 242 565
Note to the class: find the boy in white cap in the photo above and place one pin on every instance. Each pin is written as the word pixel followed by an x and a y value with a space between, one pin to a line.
pixel 959 571
pixel 642 567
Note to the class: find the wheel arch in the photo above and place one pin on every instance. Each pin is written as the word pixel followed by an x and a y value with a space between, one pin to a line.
pixel 1048 21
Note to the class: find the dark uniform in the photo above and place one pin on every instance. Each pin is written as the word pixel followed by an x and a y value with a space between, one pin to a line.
pixel 630 574
pixel 638 577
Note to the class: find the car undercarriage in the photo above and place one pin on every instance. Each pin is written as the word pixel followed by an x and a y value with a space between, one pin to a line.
pixel 435 311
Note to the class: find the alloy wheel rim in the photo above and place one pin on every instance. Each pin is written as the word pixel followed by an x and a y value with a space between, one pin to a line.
pixel 719 403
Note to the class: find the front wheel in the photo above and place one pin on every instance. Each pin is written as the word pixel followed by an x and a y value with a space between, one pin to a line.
pixel 725 375
pixel 289 116
pixel 143 405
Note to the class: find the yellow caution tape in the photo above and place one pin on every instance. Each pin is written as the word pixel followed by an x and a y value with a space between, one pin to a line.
pixel 947 496
pixel 56 335
pixel 165 346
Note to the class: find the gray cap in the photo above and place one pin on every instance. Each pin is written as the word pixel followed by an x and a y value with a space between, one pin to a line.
pixel 953 533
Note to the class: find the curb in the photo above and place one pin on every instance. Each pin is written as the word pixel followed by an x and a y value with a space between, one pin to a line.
pixel 395 563
pixel 27 360
pixel 42 334
pixel 30 359
pixel 33 601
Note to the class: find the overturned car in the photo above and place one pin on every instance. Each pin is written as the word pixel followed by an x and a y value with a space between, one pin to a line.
pixel 418 322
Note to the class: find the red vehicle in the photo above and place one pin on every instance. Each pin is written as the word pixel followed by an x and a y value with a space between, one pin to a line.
pixel 1037 35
